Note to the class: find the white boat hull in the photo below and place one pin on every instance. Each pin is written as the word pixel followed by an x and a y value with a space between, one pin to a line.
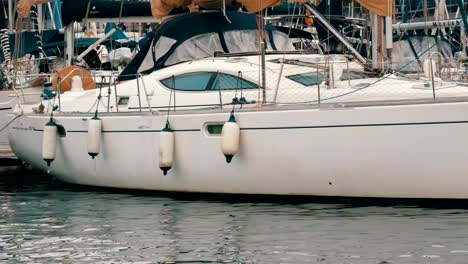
pixel 8 101
pixel 406 151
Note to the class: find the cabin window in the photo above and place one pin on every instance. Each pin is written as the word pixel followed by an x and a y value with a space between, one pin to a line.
pixel 123 100
pixel 198 81
pixel 308 78
pixel 351 75
pixel 207 81
pixel 214 129
pixel 231 82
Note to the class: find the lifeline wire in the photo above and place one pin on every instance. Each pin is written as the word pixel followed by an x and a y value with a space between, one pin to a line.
pixel 377 81
pixel 9 123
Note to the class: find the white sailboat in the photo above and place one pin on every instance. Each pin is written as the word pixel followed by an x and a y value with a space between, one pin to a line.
pixel 298 124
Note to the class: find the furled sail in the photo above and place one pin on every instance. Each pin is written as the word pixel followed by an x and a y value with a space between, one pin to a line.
pixel 379 7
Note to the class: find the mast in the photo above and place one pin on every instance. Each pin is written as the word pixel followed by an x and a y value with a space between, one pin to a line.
pixel 464 39
pixel 69 44
pixel 425 15
pixel 375 40
pixel 389 40
pixel 10 16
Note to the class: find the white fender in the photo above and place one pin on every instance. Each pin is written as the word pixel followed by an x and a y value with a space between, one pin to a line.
pixel 77 84
pixel 230 136
pixel 49 142
pixel 94 136
pixel 166 149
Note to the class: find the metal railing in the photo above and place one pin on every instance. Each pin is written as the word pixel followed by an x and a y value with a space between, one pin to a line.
pixel 328 81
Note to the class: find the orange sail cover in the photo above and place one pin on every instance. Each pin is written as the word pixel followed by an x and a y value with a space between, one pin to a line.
pixel 25 5
pixel 161 8
pixel 257 5
pixel 379 7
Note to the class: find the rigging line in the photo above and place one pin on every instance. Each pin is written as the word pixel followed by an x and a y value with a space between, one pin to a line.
pixel 284 55
pixel 121 10
pixel 5 13
pixel 241 89
pixel 15 61
pixel 118 25
pixel 94 104
pixel 85 20
pixel 259 27
pixel 99 99
pixel 9 123
pixel 170 99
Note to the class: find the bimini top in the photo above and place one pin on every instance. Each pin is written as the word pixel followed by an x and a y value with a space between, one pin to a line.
pixel 200 35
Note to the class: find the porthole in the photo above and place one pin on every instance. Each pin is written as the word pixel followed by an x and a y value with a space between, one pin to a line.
pixel 214 129
pixel 124 100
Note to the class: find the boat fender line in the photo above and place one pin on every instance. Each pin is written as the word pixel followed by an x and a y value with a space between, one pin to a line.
pixel 49 142
pixel 230 135
pixel 166 148
pixel 94 136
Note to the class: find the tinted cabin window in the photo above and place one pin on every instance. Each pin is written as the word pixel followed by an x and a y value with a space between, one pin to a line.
pixel 308 79
pixel 189 82
pixel 207 81
pixel 230 82
pixel 352 76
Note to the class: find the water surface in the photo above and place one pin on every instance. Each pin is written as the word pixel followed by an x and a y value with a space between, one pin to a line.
pixel 45 221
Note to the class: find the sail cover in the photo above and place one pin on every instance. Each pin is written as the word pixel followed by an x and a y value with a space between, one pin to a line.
pixel 76 9
pixel 210 33
pixel 25 5
pixel 379 7
pixel 161 8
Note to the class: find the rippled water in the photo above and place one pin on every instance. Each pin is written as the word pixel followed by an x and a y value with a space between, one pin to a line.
pixel 45 221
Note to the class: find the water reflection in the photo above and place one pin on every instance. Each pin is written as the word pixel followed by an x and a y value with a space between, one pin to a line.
pixel 44 221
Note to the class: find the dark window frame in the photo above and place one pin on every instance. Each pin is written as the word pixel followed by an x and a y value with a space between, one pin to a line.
pixel 167 82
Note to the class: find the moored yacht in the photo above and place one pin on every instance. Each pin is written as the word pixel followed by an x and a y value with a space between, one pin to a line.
pixel 201 104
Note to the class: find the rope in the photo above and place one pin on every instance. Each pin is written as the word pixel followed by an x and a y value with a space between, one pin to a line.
pixel 99 99
pixel 18 47
pixel 9 123
pixel 170 100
